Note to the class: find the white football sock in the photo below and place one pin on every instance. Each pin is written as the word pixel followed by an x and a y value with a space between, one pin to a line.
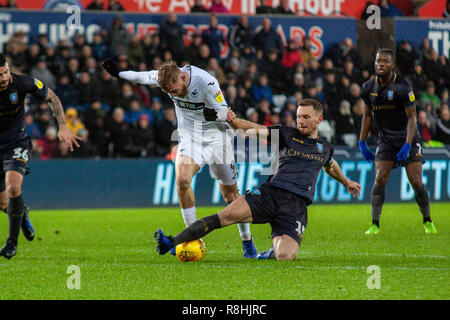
pixel 189 216
pixel 244 231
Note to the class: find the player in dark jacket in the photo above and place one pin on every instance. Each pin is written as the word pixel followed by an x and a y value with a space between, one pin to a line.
pixel 390 102
pixel 15 146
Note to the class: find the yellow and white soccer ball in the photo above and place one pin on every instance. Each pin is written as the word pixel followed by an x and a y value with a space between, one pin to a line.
pixel 191 251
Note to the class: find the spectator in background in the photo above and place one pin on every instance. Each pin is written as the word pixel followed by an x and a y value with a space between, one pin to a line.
pixel 264 8
pixel 218 7
pixel 67 93
pixel 292 55
pixel 87 88
pixel 443 127
pixel 267 38
pixel 331 92
pixel 135 111
pixel 355 93
pixel 127 95
pixel 50 144
pixel 241 35
pixel 444 97
pixel 345 125
pixel 73 122
pixel 99 48
pixel 429 96
pixel 243 102
pixel 118 37
pixel 261 89
pixel 446 13
pixel 431 66
pixel 108 89
pixel 203 58
pixel 298 85
pixel 156 110
pixel 32 54
pixel 388 9
pixel 357 113
pixel 135 53
pixel 193 50
pixel 276 73
pixel 164 131
pixel 118 134
pixel 406 56
pixel 199 7
pixel 142 138
pixel 351 73
pixel 114 5
pixel 32 128
pixel 152 48
pixel 424 127
pixel 43 116
pixel 213 37
pixel 418 79
pixel 172 37
pixel 41 72
pixel 252 115
pixel 306 51
pixel 444 73
pixel 95 5
pixel 216 71
pixel 283 8
pixel 94 120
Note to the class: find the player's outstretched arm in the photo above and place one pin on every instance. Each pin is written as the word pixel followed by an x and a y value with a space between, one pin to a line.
pixel 334 171
pixel 64 133
pixel 142 77
pixel 249 128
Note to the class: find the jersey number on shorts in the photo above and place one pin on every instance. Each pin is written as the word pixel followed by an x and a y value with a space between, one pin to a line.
pixel 20 154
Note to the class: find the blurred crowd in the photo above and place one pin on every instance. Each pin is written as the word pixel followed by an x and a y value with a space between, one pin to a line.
pixel 262 81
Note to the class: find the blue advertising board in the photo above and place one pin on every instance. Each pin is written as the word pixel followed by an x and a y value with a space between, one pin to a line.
pixel 148 183
pixel 323 32
pixel 415 30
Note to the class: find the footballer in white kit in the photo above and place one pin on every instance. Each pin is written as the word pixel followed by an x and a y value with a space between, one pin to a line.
pixel 204 135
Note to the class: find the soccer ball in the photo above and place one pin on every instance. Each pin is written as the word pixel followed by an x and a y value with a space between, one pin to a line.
pixel 191 250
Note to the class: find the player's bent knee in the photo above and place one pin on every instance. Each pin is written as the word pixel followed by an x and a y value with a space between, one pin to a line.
pixel 230 197
pixel 285 255
pixel 13 191
pixel 183 183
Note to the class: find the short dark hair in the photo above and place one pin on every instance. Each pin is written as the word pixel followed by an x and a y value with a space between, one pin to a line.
pixel 2 60
pixel 386 51
pixel 317 106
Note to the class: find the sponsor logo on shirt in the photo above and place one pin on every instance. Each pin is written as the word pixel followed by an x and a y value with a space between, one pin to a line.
pixel 14 97
pixel 390 95
pixel 38 83
pixel 218 96
pixel 189 105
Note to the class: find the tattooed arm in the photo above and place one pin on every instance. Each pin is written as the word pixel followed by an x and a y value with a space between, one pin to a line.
pixel 64 133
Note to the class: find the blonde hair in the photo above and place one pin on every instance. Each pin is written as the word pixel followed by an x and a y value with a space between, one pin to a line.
pixel 168 74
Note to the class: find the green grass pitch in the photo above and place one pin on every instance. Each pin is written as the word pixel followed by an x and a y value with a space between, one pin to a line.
pixel 114 250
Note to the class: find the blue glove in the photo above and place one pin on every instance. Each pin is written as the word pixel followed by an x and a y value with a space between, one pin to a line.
pixel 403 154
pixel 368 155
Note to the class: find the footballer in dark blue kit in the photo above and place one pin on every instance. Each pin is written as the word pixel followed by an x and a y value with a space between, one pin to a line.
pixel 390 103
pixel 15 147
pixel 283 199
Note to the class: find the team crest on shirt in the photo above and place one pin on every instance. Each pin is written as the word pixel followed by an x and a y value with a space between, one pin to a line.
pixel 411 96
pixel 13 97
pixel 38 83
pixel 319 146
pixel 194 93
pixel 390 95
pixel 218 96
